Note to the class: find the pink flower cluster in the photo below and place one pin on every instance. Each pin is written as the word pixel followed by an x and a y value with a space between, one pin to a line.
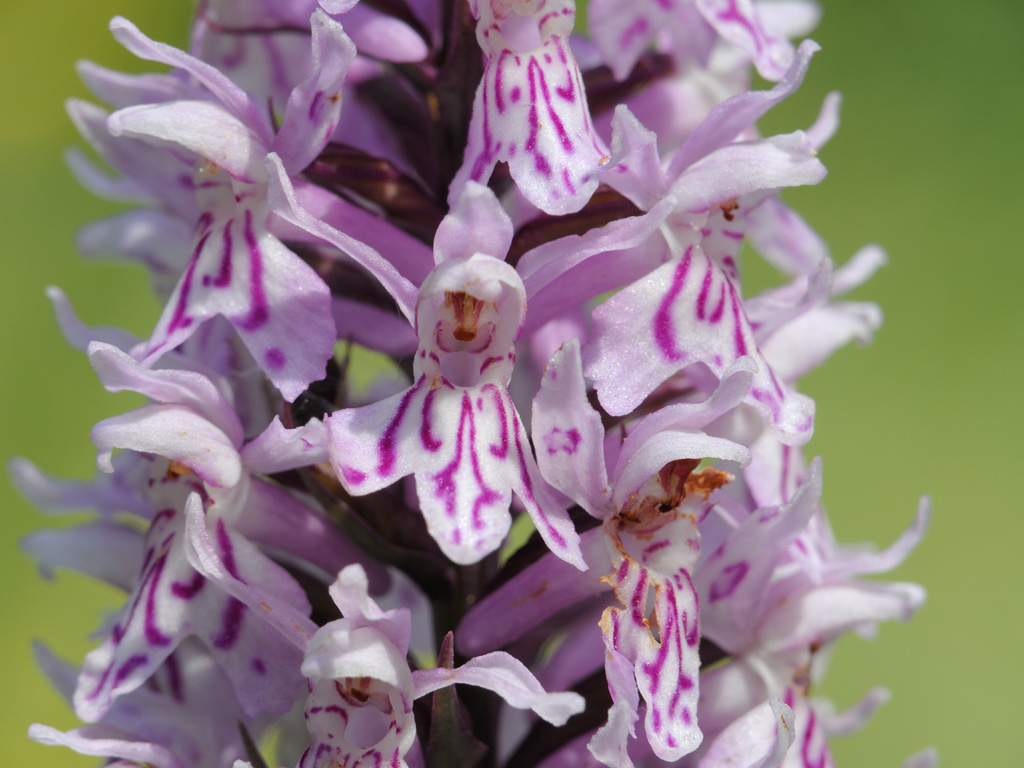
pixel 456 384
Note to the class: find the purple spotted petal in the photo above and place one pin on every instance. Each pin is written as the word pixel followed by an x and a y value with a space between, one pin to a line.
pixel 314 106
pixel 531 111
pixel 171 602
pixel 118 372
pixel 659 554
pixel 685 312
pixel 568 433
pixel 734 580
pixel 276 302
pixel 469 452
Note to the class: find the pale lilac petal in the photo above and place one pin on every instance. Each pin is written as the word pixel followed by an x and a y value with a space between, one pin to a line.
pixel 510 679
pixel 151 174
pixel 233 97
pixel 382 36
pixel 568 433
pixel 102 184
pixel 284 203
pixel 781 236
pixel 120 89
pixel 821 614
pixel 105 741
pixel 281 523
pixel 926 758
pixel 775 308
pixel 854 718
pixel 350 592
pixel 733 116
pixel 859 269
pixel 789 18
pixel 665 447
pixel 79 335
pixel 53 494
pixel 278 449
pixel 173 431
pixel 544 267
pixel 203 127
pixel 533 595
pixel 689 416
pixel 609 743
pixel 477 223
pixel 118 372
pixel 373 327
pixel 273 596
pixel 827 122
pixel 804 344
pixel 738 169
pixel 411 257
pixel 635 169
pixel 682 313
pixel 314 106
pixel 759 739
pixel 105 551
pixel 868 562
pixel 155 238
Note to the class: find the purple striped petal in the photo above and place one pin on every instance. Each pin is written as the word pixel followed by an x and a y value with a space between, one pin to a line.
pixel 685 312
pixel 531 111
pixel 276 302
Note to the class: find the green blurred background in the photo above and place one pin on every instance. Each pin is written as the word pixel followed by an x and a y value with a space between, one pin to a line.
pixel 928 162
